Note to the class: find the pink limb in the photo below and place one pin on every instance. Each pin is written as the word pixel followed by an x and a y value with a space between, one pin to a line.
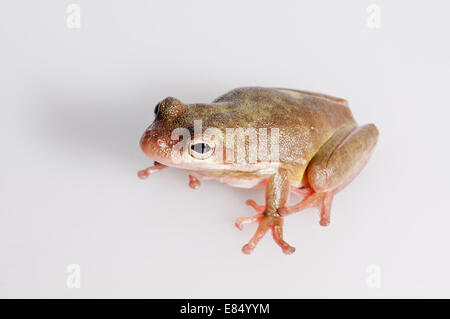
pixel 143 174
pixel 277 234
pixel 259 208
pixel 253 219
pixel 321 200
pixel 194 182
pixel 302 191
pixel 247 220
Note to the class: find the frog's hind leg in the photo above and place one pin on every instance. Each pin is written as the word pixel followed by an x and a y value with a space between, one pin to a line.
pixel 321 200
pixel 334 166
pixel 302 191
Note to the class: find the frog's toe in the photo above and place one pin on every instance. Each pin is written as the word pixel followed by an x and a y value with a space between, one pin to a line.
pixel 194 182
pixel 277 233
pixel 247 249
pixel 260 232
pixel 259 208
pixel 144 173
pixel 324 222
pixel 241 221
pixel 288 250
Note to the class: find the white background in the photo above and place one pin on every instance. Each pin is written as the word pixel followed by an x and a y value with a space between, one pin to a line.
pixel 74 103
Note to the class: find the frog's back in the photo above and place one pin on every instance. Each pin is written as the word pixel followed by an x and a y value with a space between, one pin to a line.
pixel 305 120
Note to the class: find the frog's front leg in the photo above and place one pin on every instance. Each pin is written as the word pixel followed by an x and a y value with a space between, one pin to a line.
pixel 143 174
pixel 194 182
pixel 277 194
pixel 334 166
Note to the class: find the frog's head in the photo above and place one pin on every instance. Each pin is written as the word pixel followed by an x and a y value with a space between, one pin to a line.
pixel 175 138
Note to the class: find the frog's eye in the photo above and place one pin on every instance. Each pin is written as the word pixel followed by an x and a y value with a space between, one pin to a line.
pixel 201 150
pixel 157 108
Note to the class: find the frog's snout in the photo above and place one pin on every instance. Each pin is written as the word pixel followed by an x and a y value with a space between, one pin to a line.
pixel 154 145
pixel 147 142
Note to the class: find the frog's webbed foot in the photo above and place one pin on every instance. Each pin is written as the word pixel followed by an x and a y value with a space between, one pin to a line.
pixel 143 174
pixel 322 200
pixel 265 222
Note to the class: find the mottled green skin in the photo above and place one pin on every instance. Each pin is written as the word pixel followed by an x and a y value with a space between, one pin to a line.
pixel 305 121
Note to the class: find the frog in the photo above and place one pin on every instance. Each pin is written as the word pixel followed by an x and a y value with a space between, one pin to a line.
pixel 318 150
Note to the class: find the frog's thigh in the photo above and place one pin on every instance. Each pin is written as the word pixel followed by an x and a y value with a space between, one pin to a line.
pixel 342 157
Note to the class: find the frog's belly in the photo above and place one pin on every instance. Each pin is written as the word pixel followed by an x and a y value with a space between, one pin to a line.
pixel 234 181
pixel 243 183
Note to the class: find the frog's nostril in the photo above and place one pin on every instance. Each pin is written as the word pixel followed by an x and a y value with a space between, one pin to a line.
pixel 161 143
